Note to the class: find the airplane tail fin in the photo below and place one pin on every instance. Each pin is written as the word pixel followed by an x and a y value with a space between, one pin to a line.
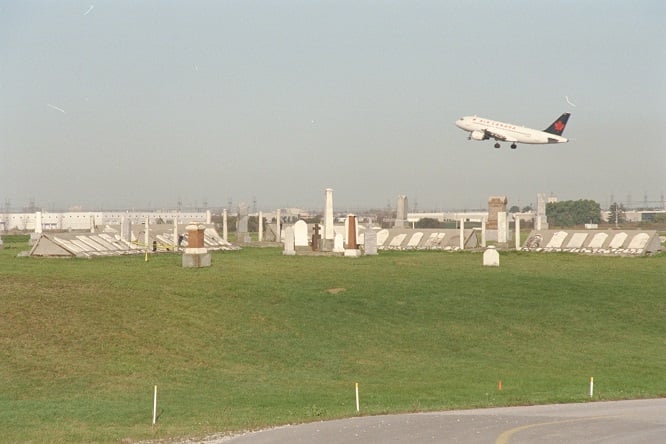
pixel 557 127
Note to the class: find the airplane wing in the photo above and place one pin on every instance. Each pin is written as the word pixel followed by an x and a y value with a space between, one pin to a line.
pixel 500 135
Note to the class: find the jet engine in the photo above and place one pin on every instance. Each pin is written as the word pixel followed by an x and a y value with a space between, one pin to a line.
pixel 478 135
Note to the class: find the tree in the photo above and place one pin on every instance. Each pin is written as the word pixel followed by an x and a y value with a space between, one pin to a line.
pixel 616 214
pixel 527 209
pixel 428 222
pixel 569 212
pixel 514 209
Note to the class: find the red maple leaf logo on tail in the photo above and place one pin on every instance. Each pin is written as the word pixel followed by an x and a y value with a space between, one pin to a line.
pixel 559 126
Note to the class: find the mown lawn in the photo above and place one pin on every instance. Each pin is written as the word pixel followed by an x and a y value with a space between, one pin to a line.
pixel 261 339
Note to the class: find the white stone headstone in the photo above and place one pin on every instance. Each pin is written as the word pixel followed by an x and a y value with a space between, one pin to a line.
pixel 491 257
pixel 125 229
pixel 370 242
pixel 289 242
pixel 598 240
pixel 430 242
pixel 328 215
pixel 483 232
pixel 415 240
pixel 618 240
pixel 502 228
pixel 225 228
pixel 557 239
pixel 175 231
pixel 338 243
pixel 639 241
pixel 301 233
pixel 517 234
pixel 382 235
pixel 540 220
pixel 397 241
pixel 260 236
pixel 278 225
pixel 38 222
pixel 577 240
pixel 401 214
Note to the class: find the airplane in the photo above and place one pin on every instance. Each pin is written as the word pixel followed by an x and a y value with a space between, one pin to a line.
pixel 484 129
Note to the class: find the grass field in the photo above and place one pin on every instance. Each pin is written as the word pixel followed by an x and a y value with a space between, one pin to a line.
pixel 261 339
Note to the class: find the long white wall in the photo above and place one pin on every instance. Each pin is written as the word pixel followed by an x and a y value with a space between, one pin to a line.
pixel 87 220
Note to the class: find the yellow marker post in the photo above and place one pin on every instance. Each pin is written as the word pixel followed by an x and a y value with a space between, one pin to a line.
pixel 155 406
pixel 358 407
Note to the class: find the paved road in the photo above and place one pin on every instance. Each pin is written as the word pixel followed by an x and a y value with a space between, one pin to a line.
pixel 639 421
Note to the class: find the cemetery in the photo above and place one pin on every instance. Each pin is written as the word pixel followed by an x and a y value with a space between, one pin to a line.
pixel 253 323
pixel 114 234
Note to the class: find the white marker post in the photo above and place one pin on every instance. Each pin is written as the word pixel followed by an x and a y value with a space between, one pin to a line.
pixel 358 407
pixel 155 406
pixel 591 386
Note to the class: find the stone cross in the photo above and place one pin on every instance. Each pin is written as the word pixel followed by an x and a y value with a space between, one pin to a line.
pixel 315 237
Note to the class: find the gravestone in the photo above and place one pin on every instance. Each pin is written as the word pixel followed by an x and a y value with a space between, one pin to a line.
pixel 396 242
pixel 301 234
pixel 260 236
pixel 491 257
pixel 401 214
pixel 382 235
pixel 196 254
pixel 352 249
pixel 577 240
pixel 242 234
pixel 517 233
pixel 618 240
pixel 338 243
pixel 278 226
pixel 125 230
pixel 328 216
pixel 370 242
pixel 502 228
pixel 557 240
pixel 415 240
pixel 316 238
pixel 225 228
pixel 598 240
pixel 289 247
pixel 484 224
pixel 496 204
pixel 639 241
pixel 540 221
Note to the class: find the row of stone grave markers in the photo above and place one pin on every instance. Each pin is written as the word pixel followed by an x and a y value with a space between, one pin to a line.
pixel 609 242
pixel 603 242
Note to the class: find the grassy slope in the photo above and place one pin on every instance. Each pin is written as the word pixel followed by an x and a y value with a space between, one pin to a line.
pixel 256 339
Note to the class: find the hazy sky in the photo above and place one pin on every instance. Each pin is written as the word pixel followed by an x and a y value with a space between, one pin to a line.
pixel 141 104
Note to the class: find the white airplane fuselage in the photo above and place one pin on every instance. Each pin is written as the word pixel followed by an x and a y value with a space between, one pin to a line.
pixel 480 128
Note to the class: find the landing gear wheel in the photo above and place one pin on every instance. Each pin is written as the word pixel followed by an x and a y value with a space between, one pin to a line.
pixel 513 146
pixel 497 145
